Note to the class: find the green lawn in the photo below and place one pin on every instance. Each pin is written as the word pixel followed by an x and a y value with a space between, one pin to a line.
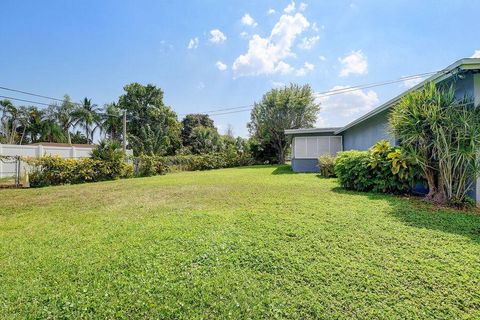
pixel 255 242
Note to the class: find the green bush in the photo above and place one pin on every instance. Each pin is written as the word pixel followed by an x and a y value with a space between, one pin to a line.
pixel 326 164
pixel 156 165
pixel 53 170
pixel 392 170
pixel 381 169
pixel 353 171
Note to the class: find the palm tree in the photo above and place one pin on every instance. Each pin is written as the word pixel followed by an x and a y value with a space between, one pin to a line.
pixel 111 122
pixel 35 124
pixel 86 116
pixel 51 131
pixel 9 121
pixel 64 115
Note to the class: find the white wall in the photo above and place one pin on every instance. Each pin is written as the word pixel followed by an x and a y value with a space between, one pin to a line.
pixel 8 168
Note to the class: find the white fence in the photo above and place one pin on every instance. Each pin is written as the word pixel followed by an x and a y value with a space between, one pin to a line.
pixel 7 169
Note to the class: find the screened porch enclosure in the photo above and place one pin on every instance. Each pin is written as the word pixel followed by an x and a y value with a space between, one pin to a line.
pixel 315 146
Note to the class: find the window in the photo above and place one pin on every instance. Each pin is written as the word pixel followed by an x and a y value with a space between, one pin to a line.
pixel 313 147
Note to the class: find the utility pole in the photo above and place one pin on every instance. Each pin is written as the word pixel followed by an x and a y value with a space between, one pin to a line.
pixel 124 133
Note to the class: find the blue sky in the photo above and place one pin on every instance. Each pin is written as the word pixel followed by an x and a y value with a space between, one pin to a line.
pixel 209 55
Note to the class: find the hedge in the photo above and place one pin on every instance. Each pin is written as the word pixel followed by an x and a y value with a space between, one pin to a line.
pixel 53 170
pixel 157 165
pixel 380 169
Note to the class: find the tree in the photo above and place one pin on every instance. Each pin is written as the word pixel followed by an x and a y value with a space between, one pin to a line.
pixel 112 122
pixel 51 131
pixel 35 124
pixel 65 114
pixel 192 121
pixel 88 117
pixel 442 133
pixel 79 138
pixel 152 127
pixel 9 121
pixel 204 140
pixel 290 107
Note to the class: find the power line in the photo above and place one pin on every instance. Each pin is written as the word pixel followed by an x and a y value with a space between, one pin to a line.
pixel 232 110
pixel 23 100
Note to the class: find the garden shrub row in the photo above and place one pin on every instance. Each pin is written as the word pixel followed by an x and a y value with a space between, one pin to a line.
pixel 380 169
pixel 53 170
pixel 157 165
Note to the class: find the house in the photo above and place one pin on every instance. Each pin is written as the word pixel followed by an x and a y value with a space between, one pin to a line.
pixel 364 132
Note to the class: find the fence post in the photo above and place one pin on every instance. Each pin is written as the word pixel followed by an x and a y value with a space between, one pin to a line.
pixel 1 162
pixel 40 151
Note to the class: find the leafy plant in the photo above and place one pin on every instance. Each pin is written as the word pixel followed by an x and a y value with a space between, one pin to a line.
pixel 285 108
pixel 442 133
pixel 326 164
pixel 381 169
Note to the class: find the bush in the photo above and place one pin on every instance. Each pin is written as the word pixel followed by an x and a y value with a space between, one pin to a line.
pixel 352 170
pixel 326 164
pixel 53 170
pixel 381 169
pixel 156 165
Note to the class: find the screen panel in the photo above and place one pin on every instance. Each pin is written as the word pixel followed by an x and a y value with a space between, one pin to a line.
pixel 313 147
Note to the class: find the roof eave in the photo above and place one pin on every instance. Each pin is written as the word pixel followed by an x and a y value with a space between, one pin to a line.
pixel 465 64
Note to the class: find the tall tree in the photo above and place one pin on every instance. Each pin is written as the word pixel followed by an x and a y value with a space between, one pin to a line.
pixel 65 115
pixel 290 107
pixel 205 140
pixel 442 133
pixel 152 127
pixel 87 116
pixel 112 122
pixel 192 121
pixel 10 120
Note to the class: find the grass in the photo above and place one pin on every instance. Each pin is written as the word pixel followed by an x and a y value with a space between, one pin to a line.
pixel 255 242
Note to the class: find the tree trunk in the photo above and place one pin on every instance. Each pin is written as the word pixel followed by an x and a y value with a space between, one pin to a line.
pixel 281 156
pixel 436 190
pixel 23 134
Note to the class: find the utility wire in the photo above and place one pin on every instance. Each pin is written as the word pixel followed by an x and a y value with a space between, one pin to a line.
pixel 232 110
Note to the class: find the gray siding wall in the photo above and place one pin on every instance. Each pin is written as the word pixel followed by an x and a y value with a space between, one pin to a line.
pixel 366 134
pixel 305 165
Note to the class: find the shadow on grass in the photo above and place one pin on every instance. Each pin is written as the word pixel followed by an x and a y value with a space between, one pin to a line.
pixel 415 212
pixel 283 169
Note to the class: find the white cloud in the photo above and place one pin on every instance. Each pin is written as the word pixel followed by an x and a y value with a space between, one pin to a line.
pixel 322 58
pixel 221 66
pixel 315 27
pixel 248 20
pixel 290 8
pixel 271 11
pixel 217 36
pixel 277 84
pixel 265 55
pixel 307 67
pixel 412 82
pixel 354 63
pixel 244 34
pixel 476 54
pixel 339 109
pixel 302 6
pixel 193 43
pixel 308 42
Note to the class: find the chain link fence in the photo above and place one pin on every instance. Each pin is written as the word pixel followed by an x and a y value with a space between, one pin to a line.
pixel 12 172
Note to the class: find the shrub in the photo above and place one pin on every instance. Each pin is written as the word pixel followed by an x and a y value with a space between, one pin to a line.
pixel 446 144
pixel 353 171
pixel 156 165
pixel 326 164
pixel 53 170
pixel 381 169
